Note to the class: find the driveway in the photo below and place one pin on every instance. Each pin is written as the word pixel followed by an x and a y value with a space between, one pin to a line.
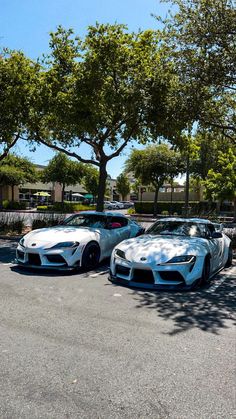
pixel 76 346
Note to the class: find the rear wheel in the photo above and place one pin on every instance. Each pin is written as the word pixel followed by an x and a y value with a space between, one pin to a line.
pixel 91 256
pixel 230 258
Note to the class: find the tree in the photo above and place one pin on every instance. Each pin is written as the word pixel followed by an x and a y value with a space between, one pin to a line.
pixel 15 170
pixel 97 92
pixel 221 182
pixel 17 74
pixel 154 165
pixel 64 171
pixel 201 39
pixel 123 185
pixel 91 180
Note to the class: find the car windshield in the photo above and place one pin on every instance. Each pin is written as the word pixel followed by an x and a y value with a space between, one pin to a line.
pixel 177 228
pixel 87 220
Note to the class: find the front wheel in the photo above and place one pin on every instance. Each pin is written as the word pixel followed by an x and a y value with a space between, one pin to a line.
pixel 91 256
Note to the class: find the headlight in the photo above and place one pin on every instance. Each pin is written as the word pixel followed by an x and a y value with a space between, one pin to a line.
pixel 119 253
pixel 64 245
pixel 21 242
pixel 182 259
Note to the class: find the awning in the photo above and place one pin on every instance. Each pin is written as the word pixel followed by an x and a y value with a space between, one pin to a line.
pixel 77 194
pixel 88 196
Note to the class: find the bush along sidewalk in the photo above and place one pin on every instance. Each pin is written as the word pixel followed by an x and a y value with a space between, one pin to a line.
pixel 12 224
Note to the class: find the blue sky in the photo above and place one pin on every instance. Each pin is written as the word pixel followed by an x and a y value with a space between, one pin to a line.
pixel 26 24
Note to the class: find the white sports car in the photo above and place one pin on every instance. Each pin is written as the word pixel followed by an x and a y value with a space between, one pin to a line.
pixel 83 240
pixel 174 252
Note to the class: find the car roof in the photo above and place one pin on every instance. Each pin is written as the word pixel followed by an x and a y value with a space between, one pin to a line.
pixel 105 214
pixel 187 220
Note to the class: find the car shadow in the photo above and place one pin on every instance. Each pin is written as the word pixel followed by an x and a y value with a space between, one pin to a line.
pixel 207 308
pixel 8 251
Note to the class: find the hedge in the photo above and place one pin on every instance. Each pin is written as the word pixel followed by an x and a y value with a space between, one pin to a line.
pixel 147 207
pixel 13 205
pixel 65 207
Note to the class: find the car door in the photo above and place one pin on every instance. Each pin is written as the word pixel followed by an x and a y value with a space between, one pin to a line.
pixel 123 231
pixel 216 246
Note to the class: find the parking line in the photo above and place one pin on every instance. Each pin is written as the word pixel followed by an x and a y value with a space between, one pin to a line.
pixel 220 281
pixel 99 273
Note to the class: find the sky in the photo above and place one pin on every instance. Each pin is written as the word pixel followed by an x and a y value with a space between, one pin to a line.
pixel 25 25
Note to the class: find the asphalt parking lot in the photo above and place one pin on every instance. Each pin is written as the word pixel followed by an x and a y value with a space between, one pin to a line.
pixel 77 346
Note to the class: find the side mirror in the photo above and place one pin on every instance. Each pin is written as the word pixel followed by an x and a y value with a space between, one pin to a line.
pixel 216 235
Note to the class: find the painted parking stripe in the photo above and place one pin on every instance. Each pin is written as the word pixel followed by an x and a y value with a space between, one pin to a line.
pixel 221 280
pixel 99 273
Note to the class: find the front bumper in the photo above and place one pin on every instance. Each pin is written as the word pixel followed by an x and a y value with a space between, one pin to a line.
pixel 58 259
pixel 44 267
pixel 141 285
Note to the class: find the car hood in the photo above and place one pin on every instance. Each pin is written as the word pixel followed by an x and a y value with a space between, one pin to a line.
pixel 160 249
pixel 53 235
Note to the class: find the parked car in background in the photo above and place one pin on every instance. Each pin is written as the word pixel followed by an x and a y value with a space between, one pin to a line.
pixel 82 240
pixel 108 205
pixel 174 252
pixel 128 204
pixel 119 205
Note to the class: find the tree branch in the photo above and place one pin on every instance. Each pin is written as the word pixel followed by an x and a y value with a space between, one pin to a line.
pixel 68 153
pixel 7 149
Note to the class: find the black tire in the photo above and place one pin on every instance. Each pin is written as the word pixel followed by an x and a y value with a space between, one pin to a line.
pixel 91 256
pixel 230 258
pixel 205 278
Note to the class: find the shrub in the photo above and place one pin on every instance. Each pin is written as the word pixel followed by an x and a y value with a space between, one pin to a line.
pixel 165 213
pixel 13 205
pixel 48 220
pixel 69 207
pixel 131 211
pixel 177 208
pixel 43 207
pixel 11 223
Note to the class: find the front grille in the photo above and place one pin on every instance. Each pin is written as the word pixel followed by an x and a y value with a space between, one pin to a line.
pixel 122 270
pixel 55 259
pixel 20 254
pixel 171 276
pixel 143 276
pixel 34 259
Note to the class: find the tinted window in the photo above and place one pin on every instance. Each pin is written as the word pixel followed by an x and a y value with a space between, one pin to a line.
pixel 88 220
pixel 176 228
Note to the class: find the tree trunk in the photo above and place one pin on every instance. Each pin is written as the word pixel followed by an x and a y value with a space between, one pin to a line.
pixel 101 186
pixel 186 205
pixel 1 193
pixel 234 220
pixel 155 202
pixel 62 193
pixel 12 193
pixel 171 195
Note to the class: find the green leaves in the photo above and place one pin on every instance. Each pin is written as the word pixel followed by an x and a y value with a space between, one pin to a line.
pixel 63 170
pixel 17 75
pixel 221 181
pixel 201 40
pixel 154 165
pixel 16 170
pixel 122 185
